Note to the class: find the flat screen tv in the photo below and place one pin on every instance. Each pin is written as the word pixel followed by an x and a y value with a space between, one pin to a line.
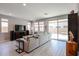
pixel 20 27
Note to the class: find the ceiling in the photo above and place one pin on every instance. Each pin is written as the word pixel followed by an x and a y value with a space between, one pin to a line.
pixel 35 11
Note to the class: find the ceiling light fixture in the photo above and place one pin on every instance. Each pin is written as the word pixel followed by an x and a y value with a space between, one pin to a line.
pixel 24 4
pixel 45 13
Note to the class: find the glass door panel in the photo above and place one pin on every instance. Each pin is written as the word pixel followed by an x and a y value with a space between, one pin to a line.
pixel 52 29
pixel 63 29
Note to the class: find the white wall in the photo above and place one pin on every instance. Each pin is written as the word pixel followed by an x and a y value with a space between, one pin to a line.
pixel 12 21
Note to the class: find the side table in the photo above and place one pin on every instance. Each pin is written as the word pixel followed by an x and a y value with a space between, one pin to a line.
pixel 21 43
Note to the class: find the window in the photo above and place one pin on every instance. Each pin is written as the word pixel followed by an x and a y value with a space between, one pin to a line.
pixel 58 29
pixel 63 30
pixel 52 26
pixel 63 23
pixel 41 26
pixel 29 26
pixel 4 25
pixel 36 26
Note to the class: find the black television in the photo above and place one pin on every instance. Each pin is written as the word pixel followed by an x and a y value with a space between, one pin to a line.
pixel 20 27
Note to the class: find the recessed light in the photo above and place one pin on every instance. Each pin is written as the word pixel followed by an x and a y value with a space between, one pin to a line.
pixel 45 13
pixel 24 4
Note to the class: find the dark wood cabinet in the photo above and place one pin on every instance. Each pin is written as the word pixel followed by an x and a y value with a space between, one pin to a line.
pixel 73 25
pixel 18 34
pixel 71 48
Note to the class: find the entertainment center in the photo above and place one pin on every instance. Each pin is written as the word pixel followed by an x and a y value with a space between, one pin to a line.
pixel 19 32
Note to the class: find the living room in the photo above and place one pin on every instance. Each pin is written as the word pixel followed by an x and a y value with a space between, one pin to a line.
pixel 38 26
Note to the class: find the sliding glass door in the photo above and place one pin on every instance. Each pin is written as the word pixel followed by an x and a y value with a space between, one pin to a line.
pixel 63 29
pixel 52 29
pixel 58 29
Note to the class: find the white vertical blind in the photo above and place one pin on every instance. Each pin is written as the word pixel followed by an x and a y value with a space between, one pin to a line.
pixel 36 26
pixel 41 26
pixel 4 25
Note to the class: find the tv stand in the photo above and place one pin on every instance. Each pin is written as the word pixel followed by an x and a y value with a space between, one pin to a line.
pixel 18 34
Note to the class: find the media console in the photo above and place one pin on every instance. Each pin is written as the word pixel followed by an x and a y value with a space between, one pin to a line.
pixel 19 32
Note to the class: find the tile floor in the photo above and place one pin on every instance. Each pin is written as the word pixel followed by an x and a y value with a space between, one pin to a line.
pixel 51 48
